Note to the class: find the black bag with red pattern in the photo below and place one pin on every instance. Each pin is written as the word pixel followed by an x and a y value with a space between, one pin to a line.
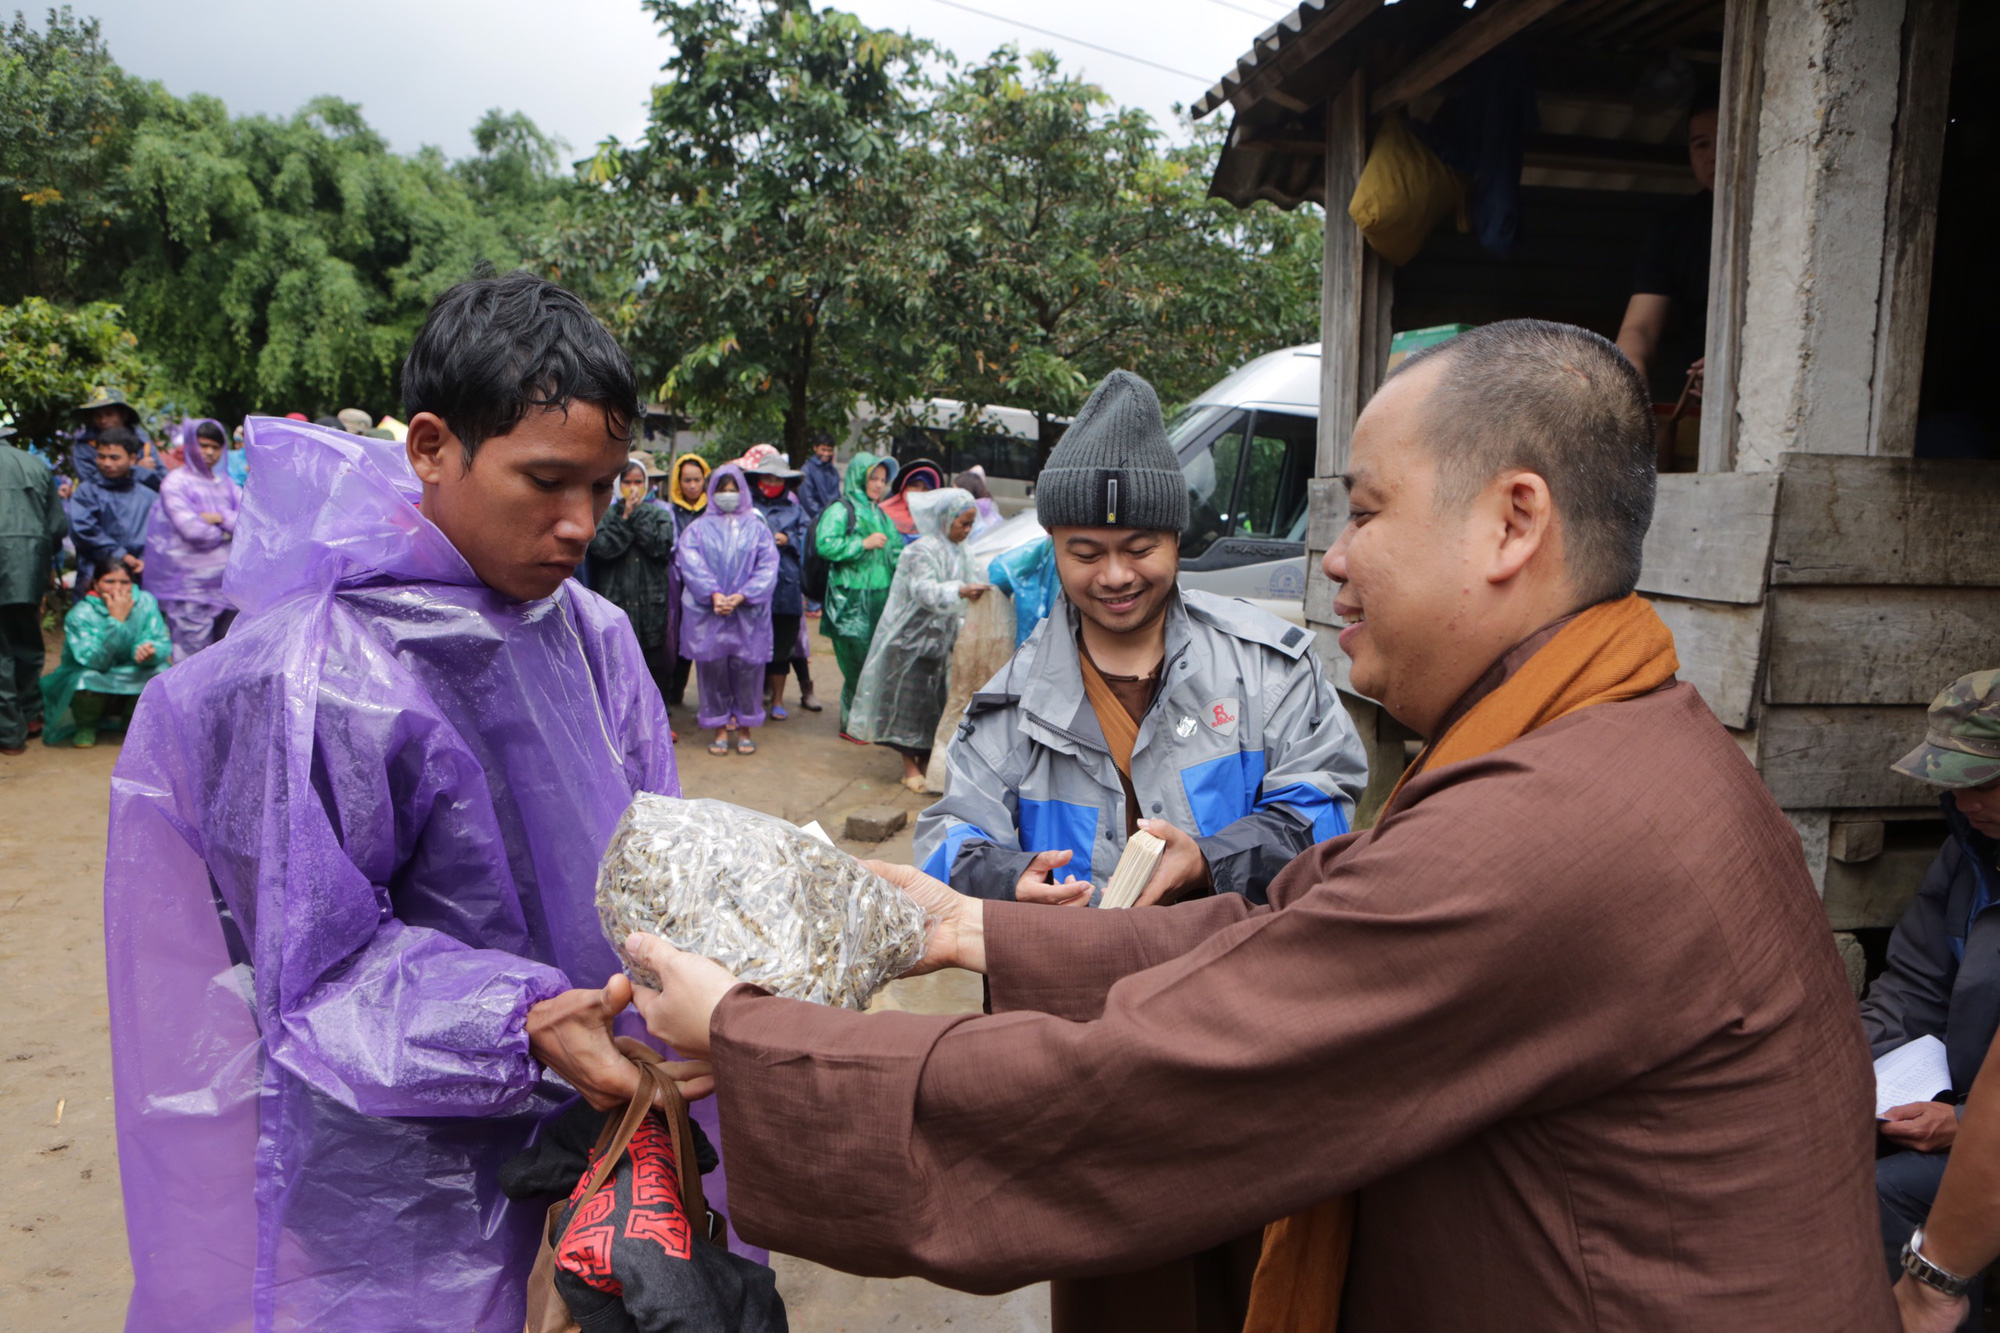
pixel 635 1249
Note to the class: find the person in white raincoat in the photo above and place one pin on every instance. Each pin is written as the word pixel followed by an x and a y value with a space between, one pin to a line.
pixel 901 693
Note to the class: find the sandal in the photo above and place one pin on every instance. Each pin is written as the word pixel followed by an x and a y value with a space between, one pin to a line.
pixel 718 747
pixel 778 713
pixel 746 746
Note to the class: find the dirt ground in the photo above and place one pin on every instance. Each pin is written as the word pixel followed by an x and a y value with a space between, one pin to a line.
pixel 63 1262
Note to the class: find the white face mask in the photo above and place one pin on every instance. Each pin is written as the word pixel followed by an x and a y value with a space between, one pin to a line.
pixel 727 501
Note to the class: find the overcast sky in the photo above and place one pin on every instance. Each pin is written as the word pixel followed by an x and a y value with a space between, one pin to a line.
pixel 425 70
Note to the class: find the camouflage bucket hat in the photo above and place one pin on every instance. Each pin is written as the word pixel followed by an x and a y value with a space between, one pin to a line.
pixel 102 396
pixel 1962 747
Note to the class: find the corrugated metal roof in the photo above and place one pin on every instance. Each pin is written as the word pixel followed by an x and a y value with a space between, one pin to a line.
pixel 1272 42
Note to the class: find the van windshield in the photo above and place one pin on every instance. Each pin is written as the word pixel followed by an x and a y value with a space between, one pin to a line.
pixel 1208 439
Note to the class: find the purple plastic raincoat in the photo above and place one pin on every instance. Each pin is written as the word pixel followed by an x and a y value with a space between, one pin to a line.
pixel 729 553
pixel 185 553
pixel 350 845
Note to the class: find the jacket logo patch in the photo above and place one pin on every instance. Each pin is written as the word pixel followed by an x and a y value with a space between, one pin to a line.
pixel 1222 716
pixel 1184 728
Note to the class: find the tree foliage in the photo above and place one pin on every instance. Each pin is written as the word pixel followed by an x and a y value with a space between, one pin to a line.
pixel 67 115
pixel 53 358
pixel 739 248
pixel 1073 245
pixel 818 213
pixel 822 213
pixel 264 264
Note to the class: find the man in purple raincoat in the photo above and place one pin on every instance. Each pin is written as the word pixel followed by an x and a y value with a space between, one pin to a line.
pixel 349 916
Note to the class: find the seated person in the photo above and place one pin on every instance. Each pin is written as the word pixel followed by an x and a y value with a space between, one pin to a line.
pixel 109 512
pixel 1204 720
pixel 114 641
pixel 1943 977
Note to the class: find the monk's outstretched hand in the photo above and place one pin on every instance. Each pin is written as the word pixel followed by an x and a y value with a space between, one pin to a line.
pixel 681 1010
pixel 958 923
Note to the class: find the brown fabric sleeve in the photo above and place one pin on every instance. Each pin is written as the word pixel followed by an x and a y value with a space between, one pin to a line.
pixel 1469 969
pixel 1064 960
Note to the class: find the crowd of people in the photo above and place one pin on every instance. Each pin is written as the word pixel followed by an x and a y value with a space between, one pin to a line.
pixel 1559 1041
pixel 136 534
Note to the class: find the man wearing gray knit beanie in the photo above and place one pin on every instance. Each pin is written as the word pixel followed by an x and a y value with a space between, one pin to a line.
pixel 1135 704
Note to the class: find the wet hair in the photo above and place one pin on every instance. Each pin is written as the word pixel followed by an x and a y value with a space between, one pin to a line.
pixel 107 572
pixel 494 347
pixel 972 484
pixel 209 430
pixel 1561 402
pixel 121 438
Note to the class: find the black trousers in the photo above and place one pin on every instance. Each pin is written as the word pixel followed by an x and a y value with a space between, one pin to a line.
pixel 663 666
pixel 784 650
pixel 20 672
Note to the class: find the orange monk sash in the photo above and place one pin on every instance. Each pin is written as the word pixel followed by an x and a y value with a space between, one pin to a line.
pixel 1610 652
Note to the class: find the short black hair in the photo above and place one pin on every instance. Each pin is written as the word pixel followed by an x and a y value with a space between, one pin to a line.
pixel 1561 402
pixel 211 430
pixel 493 347
pixel 122 438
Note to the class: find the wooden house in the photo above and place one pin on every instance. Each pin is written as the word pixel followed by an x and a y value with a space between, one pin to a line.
pixel 1824 577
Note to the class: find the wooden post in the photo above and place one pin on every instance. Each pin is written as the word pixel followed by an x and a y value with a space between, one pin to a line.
pixel 1826 121
pixel 1915 163
pixel 1729 249
pixel 1342 276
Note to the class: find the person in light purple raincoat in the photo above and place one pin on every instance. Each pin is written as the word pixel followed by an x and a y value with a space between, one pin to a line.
pixel 729 570
pixel 352 851
pixel 188 538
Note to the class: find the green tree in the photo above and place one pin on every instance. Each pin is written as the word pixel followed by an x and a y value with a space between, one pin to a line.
pixel 746 248
pixel 67 115
pixel 264 264
pixel 516 175
pixel 51 359
pixel 1073 245
pixel 286 264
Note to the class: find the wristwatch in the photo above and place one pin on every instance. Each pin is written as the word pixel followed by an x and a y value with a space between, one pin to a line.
pixel 1928 1273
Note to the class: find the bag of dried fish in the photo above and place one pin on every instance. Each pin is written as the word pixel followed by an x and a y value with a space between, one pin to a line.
pixel 773 904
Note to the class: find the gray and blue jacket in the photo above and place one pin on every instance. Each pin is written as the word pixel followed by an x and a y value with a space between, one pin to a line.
pixel 1246 747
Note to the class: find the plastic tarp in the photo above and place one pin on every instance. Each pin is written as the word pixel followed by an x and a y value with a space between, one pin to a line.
pixel 350 846
pixel 1028 575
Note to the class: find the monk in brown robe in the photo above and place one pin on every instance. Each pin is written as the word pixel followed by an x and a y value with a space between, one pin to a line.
pixel 1565 1030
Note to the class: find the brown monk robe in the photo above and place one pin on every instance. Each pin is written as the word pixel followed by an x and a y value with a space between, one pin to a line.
pixel 1207 1292
pixel 1567 1023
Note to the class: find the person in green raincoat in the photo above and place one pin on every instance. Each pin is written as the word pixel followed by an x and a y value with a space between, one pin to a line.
pixel 860 546
pixel 114 641
pixel 32 522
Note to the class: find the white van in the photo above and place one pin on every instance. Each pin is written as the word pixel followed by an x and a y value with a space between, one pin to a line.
pixel 1248 447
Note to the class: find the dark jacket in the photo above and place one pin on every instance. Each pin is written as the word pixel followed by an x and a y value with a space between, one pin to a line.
pixel 108 519
pixel 32 522
pixel 820 488
pixel 785 516
pixel 1943 976
pixel 631 559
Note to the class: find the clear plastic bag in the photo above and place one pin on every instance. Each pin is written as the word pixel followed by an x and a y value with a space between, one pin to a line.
pixel 772 903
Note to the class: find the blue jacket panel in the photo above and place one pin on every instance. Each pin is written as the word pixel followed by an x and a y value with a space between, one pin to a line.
pixel 788 519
